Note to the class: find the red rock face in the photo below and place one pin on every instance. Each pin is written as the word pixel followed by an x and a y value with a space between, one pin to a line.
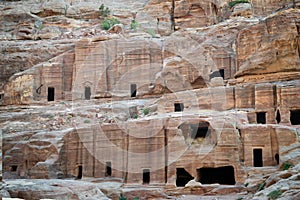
pixel 272 46
pixel 203 105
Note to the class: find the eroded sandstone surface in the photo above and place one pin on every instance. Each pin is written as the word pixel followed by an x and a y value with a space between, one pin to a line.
pixel 199 101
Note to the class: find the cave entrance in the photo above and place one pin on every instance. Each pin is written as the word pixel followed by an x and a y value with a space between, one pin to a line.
pixel 182 177
pixel 261 117
pixel 199 130
pixel 51 93
pixel 108 169
pixel 219 73
pixel 146 176
pixel 1 96
pixel 133 89
pixel 87 93
pixel 178 107
pixel 13 168
pixel 257 158
pixel 295 117
pixel 79 175
pixel 221 175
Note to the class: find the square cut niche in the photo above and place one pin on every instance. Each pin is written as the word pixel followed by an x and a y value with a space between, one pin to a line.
pixel 295 117
pixel 178 107
pixel 261 117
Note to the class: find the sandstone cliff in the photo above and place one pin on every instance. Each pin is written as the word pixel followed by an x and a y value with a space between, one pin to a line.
pixel 202 98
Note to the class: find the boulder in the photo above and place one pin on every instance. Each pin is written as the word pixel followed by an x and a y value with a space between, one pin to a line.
pixel 242 10
pixel 35 189
pixel 117 28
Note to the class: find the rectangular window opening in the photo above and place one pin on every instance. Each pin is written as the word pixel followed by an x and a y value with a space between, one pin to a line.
pixel 133 90
pixel 295 117
pixel 257 158
pixel 178 107
pixel 51 93
pixel 146 176
pixel 261 117
pixel 108 169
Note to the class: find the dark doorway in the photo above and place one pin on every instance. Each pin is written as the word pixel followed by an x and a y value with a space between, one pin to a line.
pixel 133 90
pixel 199 130
pixel 51 93
pixel 277 158
pixel 79 176
pixel 219 73
pixel 257 158
pixel 13 168
pixel 178 107
pixel 295 117
pixel 146 176
pixel 108 169
pixel 261 117
pixel 87 93
pixel 278 117
pixel 221 175
pixel 182 177
pixel 1 96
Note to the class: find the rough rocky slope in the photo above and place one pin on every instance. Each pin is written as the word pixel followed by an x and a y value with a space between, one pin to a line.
pixel 258 50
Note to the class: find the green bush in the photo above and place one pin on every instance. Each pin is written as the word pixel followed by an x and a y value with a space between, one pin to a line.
pixel 122 197
pixel 261 186
pixel 151 32
pixel 286 166
pixel 108 23
pixel 87 121
pixel 104 11
pixel 133 25
pixel 135 116
pixel 274 194
pixel 146 111
pixel 39 25
pixel 233 3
